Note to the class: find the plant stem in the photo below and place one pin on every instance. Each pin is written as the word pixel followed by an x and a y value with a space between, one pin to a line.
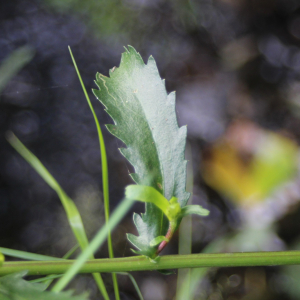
pixel 172 228
pixel 141 263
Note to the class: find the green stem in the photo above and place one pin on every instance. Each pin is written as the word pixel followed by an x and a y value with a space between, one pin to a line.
pixel 141 263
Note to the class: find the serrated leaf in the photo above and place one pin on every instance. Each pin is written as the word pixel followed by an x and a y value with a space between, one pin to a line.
pixel 145 120
pixel 147 229
pixel 13 287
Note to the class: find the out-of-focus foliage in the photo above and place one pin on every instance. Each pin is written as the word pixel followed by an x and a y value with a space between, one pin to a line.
pixel 142 22
pixel 107 17
pixel 13 64
pixel 13 287
pixel 248 163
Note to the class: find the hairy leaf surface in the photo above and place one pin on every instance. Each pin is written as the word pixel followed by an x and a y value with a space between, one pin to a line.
pixel 145 120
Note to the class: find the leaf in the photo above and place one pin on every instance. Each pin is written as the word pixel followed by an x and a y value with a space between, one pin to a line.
pixel 147 229
pixel 147 194
pixel 13 287
pixel 167 272
pixel 158 240
pixel 194 209
pixel 171 209
pixel 13 64
pixel 71 210
pixel 145 120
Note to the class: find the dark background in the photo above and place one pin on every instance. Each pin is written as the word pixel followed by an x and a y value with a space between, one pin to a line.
pixel 226 59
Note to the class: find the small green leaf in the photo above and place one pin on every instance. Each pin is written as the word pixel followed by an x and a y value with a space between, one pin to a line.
pixel 158 240
pixel 147 231
pixel 167 272
pixel 13 287
pixel 147 194
pixel 194 209
pixel 174 210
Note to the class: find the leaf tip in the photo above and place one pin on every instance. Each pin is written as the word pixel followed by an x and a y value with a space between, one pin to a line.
pixel 151 61
pixel 9 135
pixel 132 49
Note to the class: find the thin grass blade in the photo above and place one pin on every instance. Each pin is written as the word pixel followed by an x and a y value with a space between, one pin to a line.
pixel 72 212
pixel 104 173
pixel 46 279
pixel 134 283
pixel 49 279
pixel 27 255
pixel 97 241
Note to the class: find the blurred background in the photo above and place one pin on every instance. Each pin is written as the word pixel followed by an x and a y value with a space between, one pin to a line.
pixel 235 66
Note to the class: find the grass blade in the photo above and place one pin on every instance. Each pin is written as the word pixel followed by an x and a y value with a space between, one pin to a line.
pixel 27 255
pixel 104 173
pixel 13 64
pixel 72 212
pixel 134 283
pixel 49 279
pixel 38 257
pixel 71 252
pixel 97 241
